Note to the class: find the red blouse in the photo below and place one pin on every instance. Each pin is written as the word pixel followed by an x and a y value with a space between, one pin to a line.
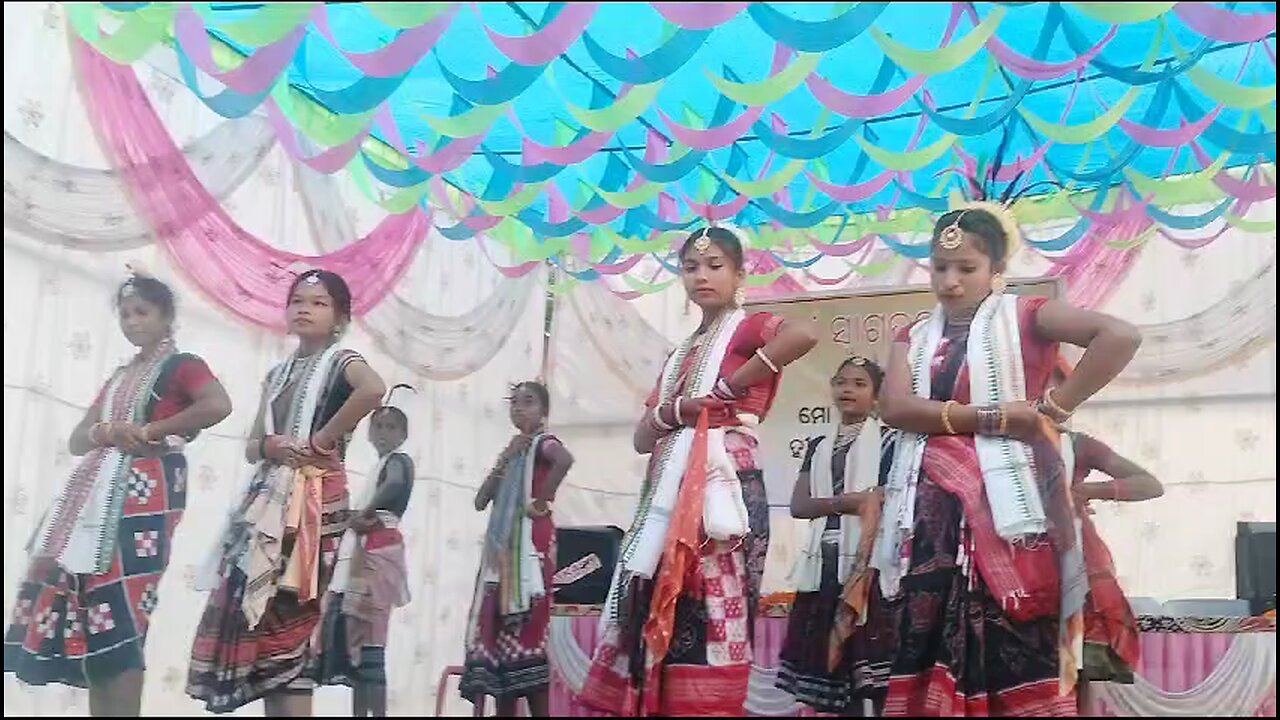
pixel 753 333
pixel 179 392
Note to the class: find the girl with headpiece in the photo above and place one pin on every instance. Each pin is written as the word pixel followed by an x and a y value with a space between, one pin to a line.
pixel 676 634
pixel 98 554
pixel 838 492
pixel 506 636
pixel 976 550
pixel 371 577
pixel 1110 644
pixel 273 561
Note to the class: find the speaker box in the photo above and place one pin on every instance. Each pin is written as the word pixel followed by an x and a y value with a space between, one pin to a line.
pixel 585 557
pixel 1256 565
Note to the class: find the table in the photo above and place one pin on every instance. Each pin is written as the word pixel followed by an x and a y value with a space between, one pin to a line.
pixel 1189 667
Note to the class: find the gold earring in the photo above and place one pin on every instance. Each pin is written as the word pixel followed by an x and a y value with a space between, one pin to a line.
pixel 739 296
pixel 997 283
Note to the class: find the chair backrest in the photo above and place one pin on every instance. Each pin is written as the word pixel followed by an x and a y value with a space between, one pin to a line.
pixel 1145 606
pixel 1207 608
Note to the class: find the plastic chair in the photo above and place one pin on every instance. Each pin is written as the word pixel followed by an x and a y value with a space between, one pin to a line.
pixel 1207 608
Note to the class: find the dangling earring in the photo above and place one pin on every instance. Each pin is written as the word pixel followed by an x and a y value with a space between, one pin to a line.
pixel 997 283
pixel 739 296
pixel 337 331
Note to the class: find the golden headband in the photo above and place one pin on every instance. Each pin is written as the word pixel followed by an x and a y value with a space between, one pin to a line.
pixel 952 236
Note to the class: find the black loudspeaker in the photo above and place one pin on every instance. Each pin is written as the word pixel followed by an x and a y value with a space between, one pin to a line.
pixel 1256 565
pixel 585 557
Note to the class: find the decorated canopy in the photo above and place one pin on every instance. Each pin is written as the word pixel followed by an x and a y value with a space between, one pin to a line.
pixel 587 134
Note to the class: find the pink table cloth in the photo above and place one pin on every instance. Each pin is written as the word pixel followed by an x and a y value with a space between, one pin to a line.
pixel 1177 657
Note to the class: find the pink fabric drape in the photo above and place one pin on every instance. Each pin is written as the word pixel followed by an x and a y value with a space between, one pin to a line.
pixel 1173 661
pixel 237 270
pixel 1177 662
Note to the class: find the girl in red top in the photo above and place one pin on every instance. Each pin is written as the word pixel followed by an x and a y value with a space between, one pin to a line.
pixel 977 518
pixel 83 612
pixel 676 637
pixel 511 611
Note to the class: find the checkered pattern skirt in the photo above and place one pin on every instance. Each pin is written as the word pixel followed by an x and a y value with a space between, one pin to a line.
pixel 79 630
pixel 506 656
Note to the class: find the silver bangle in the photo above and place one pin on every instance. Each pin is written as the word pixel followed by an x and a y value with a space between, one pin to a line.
pixel 676 409
pixel 655 419
pixel 765 359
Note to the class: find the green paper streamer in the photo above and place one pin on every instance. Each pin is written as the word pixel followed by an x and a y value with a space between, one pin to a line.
pixel 1182 190
pixel 471 123
pixel 269 24
pixel 1251 226
pixel 769 185
pixel 514 204
pixel 1085 132
pixel 629 199
pixel 941 60
pixel 405 15
pixel 139 32
pixel 1132 243
pixel 905 161
pixel 771 89
pixel 626 109
pixel 1127 13
pixel 322 126
pixel 1223 91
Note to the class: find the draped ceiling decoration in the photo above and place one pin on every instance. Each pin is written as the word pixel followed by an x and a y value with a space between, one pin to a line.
pixel 588 134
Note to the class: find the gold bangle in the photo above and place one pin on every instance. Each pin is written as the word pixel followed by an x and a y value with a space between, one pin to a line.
pixel 1053 404
pixel 1004 421
pixel 946 417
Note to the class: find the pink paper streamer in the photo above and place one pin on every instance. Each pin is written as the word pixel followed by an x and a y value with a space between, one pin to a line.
pixel 549 42
pixel 400 55
pixel 606 213
pixel 1170 137
pixel 512 271
pixel 237 270
pixel 865 106
pixel 535 153
pixel 1029 69
pixel 862 106
pixel 255 74
pixel 447 158
pixel 1224 25
pixel 716 137
pixel 716 213
pixel 763 263
pixel 327 161
pixel 699 15
pixel 857 191
pixel 844 249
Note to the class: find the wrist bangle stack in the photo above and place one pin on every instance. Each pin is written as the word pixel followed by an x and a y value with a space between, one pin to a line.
pixel 993 420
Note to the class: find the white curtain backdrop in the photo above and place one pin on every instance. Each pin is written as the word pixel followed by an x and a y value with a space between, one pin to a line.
pixel 63 340
pixel 1208 435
